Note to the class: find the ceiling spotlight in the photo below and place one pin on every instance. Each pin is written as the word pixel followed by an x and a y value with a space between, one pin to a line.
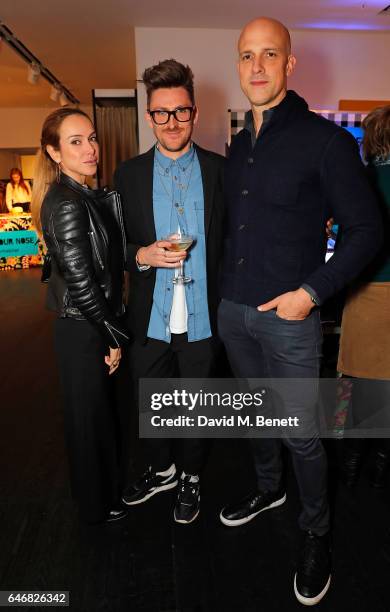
pixel 33 74
pixel 55 93
pixel 35 68
pixel 63 99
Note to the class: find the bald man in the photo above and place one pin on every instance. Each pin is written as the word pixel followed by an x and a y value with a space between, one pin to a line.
pixel 289 171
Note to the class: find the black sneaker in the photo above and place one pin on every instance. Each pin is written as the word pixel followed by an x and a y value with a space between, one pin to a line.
pixel 245 510
pixel 350 470
pixel 312 578
pixel 187 502
pixel 116 514
pixel 147 485
pixel 379 470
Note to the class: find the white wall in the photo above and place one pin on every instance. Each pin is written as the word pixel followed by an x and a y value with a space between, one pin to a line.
pixel 211 56
pixel 28 165
pixel 21 127
pixel 331 66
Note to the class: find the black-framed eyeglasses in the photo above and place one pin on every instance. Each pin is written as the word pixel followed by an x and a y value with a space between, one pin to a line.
pixel 181 114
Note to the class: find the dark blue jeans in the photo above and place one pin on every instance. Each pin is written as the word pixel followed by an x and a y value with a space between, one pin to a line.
pixel 262 345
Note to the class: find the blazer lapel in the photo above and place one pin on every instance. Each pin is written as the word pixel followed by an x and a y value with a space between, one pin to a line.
pixel 208 179
pixel 145 183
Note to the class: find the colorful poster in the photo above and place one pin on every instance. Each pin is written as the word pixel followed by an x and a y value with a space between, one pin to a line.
pixel 19 244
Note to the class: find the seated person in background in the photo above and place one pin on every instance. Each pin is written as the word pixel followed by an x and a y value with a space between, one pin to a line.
pixel 18 194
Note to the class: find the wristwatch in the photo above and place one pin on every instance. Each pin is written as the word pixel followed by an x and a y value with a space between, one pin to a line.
pixel 313 296
pixel 141 267
pixel 314 300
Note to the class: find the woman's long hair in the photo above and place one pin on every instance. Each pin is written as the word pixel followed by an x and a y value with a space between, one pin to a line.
pixel 376 139
pixel 21 183
pixel 45 168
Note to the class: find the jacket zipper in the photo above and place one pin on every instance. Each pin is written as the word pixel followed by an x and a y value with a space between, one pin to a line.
pixel 120 215
pixel 95 248
pixel 110 328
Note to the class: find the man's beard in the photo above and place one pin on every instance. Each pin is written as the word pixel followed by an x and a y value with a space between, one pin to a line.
pixel 175 148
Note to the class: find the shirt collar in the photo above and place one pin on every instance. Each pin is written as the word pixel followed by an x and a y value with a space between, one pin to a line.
pixel 249 124
pixel 168 162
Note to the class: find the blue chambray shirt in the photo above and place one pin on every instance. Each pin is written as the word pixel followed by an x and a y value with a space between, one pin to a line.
pixel 168 176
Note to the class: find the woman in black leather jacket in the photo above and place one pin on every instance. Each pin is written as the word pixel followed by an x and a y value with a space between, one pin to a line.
pixel 83 232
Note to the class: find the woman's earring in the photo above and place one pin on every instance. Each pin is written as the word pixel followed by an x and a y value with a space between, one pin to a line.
pixel 58 172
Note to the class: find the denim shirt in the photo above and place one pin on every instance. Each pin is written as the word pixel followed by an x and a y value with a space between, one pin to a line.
pixel 178 202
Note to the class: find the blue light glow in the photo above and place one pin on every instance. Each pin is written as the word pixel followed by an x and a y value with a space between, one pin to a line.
pixel 334 25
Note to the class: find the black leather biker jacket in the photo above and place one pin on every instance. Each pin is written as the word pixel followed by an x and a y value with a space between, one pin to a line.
pixel 84 234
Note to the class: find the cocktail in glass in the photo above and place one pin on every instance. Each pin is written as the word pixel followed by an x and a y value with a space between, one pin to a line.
pixel 180 242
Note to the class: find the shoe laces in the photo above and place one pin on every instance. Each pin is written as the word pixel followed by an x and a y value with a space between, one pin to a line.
pixel 188 490
pixel 146 477
pixel 312 554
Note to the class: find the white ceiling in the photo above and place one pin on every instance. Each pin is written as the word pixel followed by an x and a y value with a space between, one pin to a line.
pixel 90 43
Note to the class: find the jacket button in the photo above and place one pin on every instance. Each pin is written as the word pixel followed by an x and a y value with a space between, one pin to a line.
pixel 241 227
pixel 244 192
pixel 240 261
pixel 250 160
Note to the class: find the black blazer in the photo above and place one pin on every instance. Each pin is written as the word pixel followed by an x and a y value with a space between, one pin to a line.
pixel 134 180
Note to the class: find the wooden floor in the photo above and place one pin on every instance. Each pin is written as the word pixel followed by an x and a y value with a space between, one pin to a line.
pixel 147 563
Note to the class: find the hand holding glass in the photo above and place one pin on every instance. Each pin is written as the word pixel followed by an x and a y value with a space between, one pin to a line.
pixel 180 242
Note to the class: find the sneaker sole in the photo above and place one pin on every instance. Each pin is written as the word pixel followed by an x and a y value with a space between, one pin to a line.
pixel 310 601
pixel 238 522
pixel 166 487
pixel 116 518
pixel 182 522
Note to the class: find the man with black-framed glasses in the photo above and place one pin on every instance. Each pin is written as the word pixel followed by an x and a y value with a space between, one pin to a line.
pixel 174 188
pixel 182 114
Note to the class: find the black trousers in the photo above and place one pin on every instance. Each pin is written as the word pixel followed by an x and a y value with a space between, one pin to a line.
pixel 179 359
pixel 262 345
pixel 368 407
pixel 89 416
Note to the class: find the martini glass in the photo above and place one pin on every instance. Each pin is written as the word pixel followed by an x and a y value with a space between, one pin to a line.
pixel 180 242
